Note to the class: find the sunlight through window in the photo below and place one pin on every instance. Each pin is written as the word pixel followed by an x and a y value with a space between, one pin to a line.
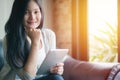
pixel 102 30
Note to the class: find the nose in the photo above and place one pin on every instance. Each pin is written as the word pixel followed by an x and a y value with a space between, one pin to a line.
pixel 32 16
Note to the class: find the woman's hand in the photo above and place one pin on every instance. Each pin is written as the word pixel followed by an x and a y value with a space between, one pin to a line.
pixel 34 34
pixel 57 69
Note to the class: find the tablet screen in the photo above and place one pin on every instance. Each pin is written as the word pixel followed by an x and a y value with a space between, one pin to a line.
pixel 53 57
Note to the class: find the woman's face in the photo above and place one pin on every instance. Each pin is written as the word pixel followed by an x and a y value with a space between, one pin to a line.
pixel 32 17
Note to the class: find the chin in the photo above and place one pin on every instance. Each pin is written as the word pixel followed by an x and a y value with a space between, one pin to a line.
pixel 32 26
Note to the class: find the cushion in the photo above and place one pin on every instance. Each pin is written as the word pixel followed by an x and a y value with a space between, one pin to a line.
pixel 82 70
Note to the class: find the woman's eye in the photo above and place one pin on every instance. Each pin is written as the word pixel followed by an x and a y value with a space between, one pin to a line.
pixel 36 12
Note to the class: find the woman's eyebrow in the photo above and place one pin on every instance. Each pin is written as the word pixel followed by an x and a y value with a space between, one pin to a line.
pixel 32 9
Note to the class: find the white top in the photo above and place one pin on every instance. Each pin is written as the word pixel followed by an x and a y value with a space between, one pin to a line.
pixel 49 42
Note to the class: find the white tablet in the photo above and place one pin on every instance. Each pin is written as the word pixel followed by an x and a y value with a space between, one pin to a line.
pixel 54 56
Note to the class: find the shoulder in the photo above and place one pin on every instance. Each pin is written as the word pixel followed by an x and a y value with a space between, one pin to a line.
pixel 1 55
pixel 48 32
pixel 2 45
pixel 49 38
pixel 3 48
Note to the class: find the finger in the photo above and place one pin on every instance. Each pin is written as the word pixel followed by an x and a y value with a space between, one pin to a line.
pixel 60 67
pixel 60 71
pixel 57 70
pixel 53 70
pixel 60 64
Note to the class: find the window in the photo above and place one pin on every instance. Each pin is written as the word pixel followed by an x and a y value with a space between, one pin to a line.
pixel 95 35
pixel 102 30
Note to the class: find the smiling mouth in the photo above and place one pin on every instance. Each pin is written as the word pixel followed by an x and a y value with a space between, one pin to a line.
pixel 31 23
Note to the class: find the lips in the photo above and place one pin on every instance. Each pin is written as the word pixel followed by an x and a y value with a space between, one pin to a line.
pixel 31 22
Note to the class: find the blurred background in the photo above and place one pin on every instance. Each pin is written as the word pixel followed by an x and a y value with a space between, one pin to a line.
pixel 57 17
pixel 88 28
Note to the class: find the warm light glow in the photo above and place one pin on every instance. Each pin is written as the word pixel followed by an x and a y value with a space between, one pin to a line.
pixel 101 13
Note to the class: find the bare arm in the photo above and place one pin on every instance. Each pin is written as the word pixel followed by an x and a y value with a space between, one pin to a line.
pixel 32 62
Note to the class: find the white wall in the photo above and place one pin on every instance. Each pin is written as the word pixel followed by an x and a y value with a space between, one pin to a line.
pixel 5 9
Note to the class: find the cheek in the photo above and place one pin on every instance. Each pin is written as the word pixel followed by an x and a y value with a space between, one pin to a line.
pixel 25 21
pixel 39 19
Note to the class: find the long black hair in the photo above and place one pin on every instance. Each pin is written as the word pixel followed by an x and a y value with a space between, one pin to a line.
pixel 17 44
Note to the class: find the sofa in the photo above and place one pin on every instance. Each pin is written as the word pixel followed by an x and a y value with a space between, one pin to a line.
pixel 82 70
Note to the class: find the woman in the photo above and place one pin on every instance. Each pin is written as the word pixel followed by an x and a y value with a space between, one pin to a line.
pixel 26 44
